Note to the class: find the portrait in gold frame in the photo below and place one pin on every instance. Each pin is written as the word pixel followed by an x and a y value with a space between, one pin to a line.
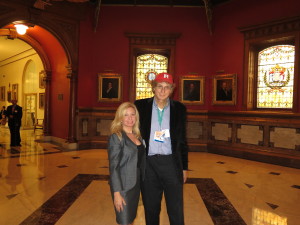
pixel 192 89
pixel 224 89
pixel 109 87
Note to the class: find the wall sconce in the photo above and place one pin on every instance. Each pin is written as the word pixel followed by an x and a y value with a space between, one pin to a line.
pixel 21 28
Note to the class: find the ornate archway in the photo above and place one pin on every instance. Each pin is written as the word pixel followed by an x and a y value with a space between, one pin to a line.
pixel 65 32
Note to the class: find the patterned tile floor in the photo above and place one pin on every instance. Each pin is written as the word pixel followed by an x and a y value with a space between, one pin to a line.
pixel 42 184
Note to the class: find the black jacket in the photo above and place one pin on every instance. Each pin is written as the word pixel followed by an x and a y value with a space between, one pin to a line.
pixel 17 115
pixel 177 129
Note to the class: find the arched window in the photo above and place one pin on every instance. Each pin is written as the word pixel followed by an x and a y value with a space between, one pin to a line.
pixel 150 54
pixel 275 77
pixel 271 71
pixel 147 66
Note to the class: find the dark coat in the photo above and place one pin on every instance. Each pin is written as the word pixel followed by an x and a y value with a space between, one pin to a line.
pixel 110 94
pixel 16 115
pixel 222 95
pixel 192 96
pixel 177 130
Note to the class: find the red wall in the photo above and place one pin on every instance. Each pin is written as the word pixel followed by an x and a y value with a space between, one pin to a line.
pixel 108 48
pixel 196 50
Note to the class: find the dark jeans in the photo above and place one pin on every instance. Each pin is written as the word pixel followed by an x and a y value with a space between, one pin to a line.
pixel 15 138
pixel 162 177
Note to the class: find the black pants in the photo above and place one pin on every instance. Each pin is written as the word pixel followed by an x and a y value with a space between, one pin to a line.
pixel 162 177
pixel 15 138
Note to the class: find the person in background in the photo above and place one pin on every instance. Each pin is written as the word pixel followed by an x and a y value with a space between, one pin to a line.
pixel 163 127
pixel 14 115
pixel 3 115
pixel 126 154
pixel 3 111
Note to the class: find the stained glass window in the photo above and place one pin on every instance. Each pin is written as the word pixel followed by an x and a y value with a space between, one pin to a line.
pixel 147 66
pixel 276 77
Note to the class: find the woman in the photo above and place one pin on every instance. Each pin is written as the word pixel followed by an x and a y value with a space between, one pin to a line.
pixel 126 154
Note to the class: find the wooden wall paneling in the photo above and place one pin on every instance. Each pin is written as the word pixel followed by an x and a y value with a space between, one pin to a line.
pixel 219 132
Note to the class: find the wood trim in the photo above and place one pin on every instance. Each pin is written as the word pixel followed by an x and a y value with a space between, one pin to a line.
pixel 271 28
pixel 153 39
pixel 158 43
pixel 264 150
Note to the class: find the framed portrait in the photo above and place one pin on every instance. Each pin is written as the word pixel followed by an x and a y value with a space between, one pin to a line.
pixel 14 92
pixel 41 100
pixel 42 83
pixel 2 93
pixel 9 96
pixel 109 87
pixel 192 89
pixel 224 89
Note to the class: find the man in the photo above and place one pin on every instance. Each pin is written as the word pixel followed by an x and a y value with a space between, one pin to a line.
pixel 14 115
pixel 224 93
pixel 163 122
pixel 192 93
pixel 109 92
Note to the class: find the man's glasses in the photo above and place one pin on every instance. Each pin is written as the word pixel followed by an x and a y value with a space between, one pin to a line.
pixel 166 88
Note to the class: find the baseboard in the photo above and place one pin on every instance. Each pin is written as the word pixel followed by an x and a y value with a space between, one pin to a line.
pixel 60 142
pixel 256 155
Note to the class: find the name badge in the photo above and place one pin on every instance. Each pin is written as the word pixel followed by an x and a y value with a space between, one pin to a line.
pixel 161 135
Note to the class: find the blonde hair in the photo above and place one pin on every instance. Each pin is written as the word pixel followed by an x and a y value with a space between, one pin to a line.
pixel 116 125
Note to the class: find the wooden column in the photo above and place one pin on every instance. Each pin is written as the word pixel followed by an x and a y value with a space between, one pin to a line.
pixel 72 75
pixel 47 119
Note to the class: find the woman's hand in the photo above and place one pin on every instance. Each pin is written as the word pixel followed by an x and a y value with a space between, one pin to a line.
pixel 185 176
pixel 119 201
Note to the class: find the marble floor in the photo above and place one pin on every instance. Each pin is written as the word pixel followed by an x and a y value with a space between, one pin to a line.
pixel 41 183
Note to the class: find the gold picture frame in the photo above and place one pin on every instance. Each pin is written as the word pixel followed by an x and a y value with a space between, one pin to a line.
pixel 224 89
pixel 41 100
pixel 42 83
pixel 109 87
pixel 192 89
pixel 9 96
pixel 14 92
pixel 2 93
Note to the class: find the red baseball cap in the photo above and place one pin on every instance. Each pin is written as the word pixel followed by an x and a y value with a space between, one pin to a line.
pixel 164 77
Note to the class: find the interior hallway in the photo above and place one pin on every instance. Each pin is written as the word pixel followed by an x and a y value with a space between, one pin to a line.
pixel 43 184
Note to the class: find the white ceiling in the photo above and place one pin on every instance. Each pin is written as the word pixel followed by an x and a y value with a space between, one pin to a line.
pixel 9 48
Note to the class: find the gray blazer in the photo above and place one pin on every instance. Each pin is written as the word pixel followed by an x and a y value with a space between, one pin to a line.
pixel 123 157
